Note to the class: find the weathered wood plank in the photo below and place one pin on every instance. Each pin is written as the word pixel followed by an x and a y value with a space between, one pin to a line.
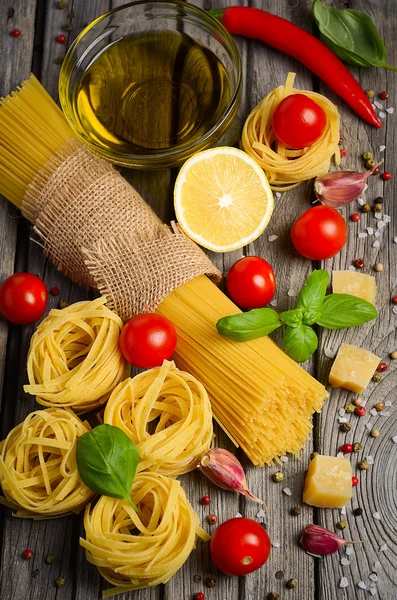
pixel 374 492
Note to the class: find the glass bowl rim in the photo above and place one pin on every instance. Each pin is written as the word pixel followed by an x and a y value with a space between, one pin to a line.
pixel 168 155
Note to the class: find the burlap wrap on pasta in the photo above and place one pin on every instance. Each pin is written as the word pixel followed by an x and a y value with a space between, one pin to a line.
pixel 98 230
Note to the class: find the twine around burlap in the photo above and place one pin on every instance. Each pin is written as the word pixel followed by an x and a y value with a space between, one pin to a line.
pixel 98 230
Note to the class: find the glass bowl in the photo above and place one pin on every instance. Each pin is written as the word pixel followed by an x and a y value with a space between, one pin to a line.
pixel 148 84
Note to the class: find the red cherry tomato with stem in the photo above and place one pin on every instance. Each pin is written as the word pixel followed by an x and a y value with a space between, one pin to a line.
pixel 23 298
pixel 298 121
pixel 240 546
pixel 147 340
pixel 250 282
pixel 319 233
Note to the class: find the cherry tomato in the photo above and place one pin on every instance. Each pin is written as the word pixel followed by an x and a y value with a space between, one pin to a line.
pixel 319 233
pixel 147 340
pixel 23 298
pixel 250 282
pixel 298 121
pixel 240 546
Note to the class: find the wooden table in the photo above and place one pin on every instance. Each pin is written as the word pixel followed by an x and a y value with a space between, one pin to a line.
pixel 318 579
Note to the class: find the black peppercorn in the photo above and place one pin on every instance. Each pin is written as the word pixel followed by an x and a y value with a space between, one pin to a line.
pixel 357 512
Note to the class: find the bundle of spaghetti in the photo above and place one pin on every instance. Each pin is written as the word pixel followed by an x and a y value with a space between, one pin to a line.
pixel 74 357
pixel 133 550
pixel 287 168
pixel 261 397
pixel 167 414
pixel 38 470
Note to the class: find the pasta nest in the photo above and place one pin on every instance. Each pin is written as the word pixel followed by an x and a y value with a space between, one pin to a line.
pixel 167 414
pixel 74 358
pixel 284 167
pixel 133 550
pixel 38 470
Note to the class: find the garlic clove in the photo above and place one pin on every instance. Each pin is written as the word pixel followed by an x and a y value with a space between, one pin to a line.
pixel 225 471
pixel 338 188
pixel 317 540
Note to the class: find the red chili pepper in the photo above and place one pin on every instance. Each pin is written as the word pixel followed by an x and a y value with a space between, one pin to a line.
pixel 295 41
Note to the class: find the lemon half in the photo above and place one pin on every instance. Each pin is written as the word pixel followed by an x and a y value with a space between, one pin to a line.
pixel 222 198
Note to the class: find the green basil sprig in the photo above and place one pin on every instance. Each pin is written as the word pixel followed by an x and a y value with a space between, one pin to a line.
pixel 107 460
pixel 335 311
pixel 352 35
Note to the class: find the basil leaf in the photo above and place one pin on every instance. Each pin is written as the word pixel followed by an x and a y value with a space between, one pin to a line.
pixel 293 318
pixel 300 342
pixel 342 310
pixel 249 325
pixel 107 460
pixel 352 35
pixel 311 296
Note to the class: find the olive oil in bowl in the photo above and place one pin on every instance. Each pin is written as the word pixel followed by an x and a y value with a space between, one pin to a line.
pixel 150 92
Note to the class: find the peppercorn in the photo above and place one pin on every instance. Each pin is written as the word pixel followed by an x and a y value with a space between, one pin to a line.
pixel 16 33
pixel 196 578
pixel 386 176
pixel 357 447
pixel 370 94
pixel 374 433
pixel 358 263
pixel 377 377
pixel 291 584
pixel 278 476
pixel 378 207
pixel 55 291
pixel 355 217
pixel 367 155
pixel 376 171
pixel 61 38
pixel 393 355
pixel 357 512
pixel 369 164
pixel 61 4
pixel 279 575
pixel 360 411
pixel 59 582
pixel 27 554
pixel 378 267
pixel 363 465
pixel 346 449
pixel 379 406
pixel 382 367
pixel 35 573
pixel 358 401
pixel 50 559
pixel 68 27
pixel 345 427
pixel 212 519
pixel 384 95
pixel 210 582
pixel 343 153
pixel 354 481
pixel 199 596
pixel 273 596
pixel 349 408
pixel 394 300
pixel 295 511
pixel 205 500
pixel 341 525
pixel 365 208
pixel 378 200
pixel 313 455
pixel 63 304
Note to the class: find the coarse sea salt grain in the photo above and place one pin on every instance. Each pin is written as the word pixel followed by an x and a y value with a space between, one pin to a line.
pixel 387 218
pixel 361 585
pixel 287 491
pixel 368 426
pixel 362 235
pixel 284 459
pixel 291 293
pixel 390 110
pixel 394 309
pixel 388 403
pixel 370 230
pixel 342 412
pixel 239 515
pixel 373 591
pixel 342 420
pixel 343 510
pixel 330 354
pixel 365 187
pixel 376 244
pixel 377 516
pixel 395 239
pixel 274 302
pixel 377 233
pixel 394 439
pixel 278 194
pixel 382 114
pixel 343 582
pixel 378 104
pixel 381 224
pixel 260 514
pixel 272 238
pixel 383 548
pixel 351 268
pixel 376 566
pixel 378 215
pixel 382 148
pixel 340 454
pixel 370 460
pixel 384 413
pixel 275 544
pixel 373 412
pixel 361 201
pixel 373 577
pixel 345 562
pixel 349 550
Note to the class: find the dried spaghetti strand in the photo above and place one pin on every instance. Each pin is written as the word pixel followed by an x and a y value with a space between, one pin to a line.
pixel 74 358
pixel 262 398
pixel 167 414
pixel 287 168
pixel 133 550
pixel 38 470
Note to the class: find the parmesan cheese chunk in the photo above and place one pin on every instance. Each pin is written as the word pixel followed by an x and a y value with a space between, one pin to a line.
pixel 353 368
pixel 328 482
pixel 354 284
